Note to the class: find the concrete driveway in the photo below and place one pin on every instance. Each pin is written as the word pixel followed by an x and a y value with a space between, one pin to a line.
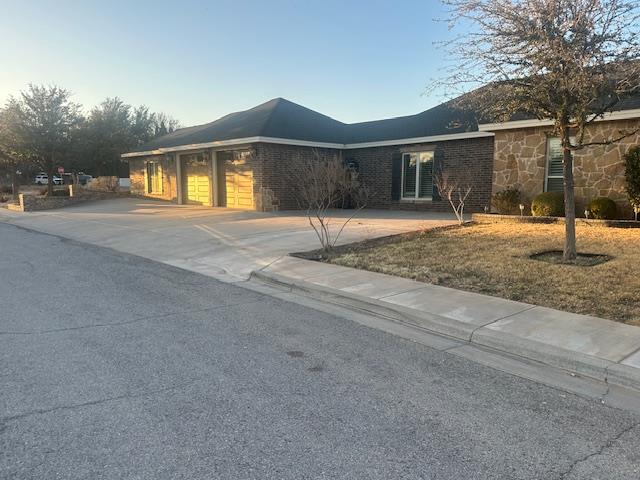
pixel 222 243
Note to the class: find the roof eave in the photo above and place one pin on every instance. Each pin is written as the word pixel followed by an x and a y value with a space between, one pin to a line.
pixel 532 123
pixel 306 143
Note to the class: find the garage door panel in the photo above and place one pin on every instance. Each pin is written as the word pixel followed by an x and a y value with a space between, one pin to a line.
pixel 197 171
pixel 237 178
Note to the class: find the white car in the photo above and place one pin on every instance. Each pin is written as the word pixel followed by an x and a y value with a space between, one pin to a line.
pixel 43 179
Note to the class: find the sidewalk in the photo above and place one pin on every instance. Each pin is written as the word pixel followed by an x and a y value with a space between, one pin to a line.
pixel 602 349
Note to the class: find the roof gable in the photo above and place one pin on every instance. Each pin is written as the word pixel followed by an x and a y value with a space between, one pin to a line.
pixel 281 118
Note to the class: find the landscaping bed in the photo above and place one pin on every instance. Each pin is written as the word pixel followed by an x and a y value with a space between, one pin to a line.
pixel 500 260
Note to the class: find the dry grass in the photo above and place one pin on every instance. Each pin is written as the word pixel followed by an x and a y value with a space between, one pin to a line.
pixel 493 259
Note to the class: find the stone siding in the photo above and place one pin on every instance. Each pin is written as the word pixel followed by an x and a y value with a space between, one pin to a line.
pixel 34 203
pixel 521 156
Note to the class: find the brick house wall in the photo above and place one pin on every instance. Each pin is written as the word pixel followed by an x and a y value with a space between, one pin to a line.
pixel 275 169
pixel 137 168
pixel 468 158
pixel 521 160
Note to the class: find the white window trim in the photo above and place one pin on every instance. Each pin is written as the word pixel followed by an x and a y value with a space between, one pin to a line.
pixel 547 161
pixel 416 198
pixel 513 124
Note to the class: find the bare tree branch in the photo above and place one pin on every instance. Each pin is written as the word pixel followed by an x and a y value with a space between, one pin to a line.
pixel 323 183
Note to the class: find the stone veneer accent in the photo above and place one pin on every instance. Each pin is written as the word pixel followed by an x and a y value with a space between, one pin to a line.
pixel 34 203
pixel 521 155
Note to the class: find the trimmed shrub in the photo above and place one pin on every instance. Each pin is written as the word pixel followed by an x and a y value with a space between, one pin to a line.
pixel 507 201
pixel 603 208
pixel 548 204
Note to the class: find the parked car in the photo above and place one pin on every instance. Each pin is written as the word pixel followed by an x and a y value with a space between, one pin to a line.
pixel 43 179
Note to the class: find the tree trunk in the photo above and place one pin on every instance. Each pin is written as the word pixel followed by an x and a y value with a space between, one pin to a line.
pixel 569 253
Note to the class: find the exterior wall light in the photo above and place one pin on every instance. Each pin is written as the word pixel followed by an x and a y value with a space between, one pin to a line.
pixel 522 210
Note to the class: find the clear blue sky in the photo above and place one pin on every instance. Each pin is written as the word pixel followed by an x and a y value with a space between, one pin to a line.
pixel 198 60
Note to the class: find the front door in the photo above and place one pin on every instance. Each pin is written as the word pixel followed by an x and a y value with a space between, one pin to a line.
pixel 196 170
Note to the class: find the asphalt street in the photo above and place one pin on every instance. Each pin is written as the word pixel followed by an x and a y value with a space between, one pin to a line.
pixel 113 366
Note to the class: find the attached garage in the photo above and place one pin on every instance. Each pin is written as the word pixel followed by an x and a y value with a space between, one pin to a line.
pixel 236 179
pixel 196 177
pixel 246 160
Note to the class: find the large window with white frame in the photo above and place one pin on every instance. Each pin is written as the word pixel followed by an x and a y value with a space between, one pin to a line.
pixel 417 176
pixel 554 178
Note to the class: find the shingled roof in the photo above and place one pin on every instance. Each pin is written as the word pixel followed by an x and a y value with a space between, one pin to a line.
pixel 281 118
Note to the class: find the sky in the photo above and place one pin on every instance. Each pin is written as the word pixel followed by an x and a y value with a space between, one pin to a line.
pixel 199 60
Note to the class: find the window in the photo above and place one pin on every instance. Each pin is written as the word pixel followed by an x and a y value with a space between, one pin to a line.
pixel 554 181
pixel 417 175
pixel 154 177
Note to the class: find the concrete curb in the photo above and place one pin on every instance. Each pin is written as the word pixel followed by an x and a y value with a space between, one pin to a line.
pixel 574 362
pixel 424 320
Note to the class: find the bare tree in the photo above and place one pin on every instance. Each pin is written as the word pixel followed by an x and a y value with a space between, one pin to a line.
pixel 455 190
pixel 321 184
pixel 571 61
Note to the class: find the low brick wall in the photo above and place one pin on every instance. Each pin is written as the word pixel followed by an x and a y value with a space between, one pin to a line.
pixel 493 218
pixel 33 203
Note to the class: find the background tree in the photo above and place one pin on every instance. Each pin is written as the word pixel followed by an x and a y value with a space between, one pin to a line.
pixel 45 118
pixel 105 135
pixel 111 129
pixel 571 61
pixel 12 152
pixel 164 124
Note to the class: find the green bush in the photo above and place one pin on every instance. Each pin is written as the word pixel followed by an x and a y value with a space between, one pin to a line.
pixel 603 208
pixel 507 202
pixel 548 204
